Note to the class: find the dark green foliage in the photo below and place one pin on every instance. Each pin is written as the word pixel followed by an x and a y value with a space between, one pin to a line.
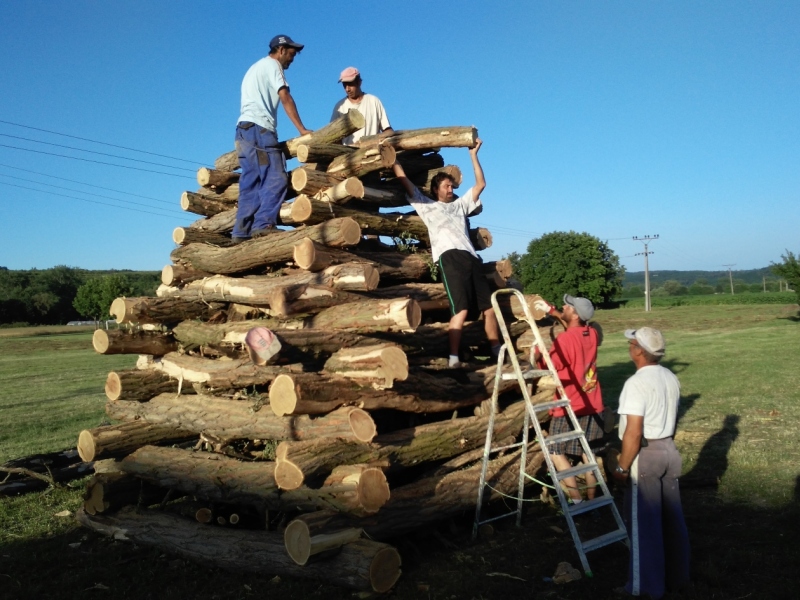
pixel 580 264
pixel 789 269
pixel 714 299
pixel 94 297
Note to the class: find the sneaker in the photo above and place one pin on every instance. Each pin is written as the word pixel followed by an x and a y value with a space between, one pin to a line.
pixel 262 232
pixel 239 240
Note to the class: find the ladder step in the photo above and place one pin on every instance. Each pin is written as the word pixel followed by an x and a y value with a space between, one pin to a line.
pixel 587 505
pixel 549 405
pixel 529 374
pixel 564 437
pixel 604 540
pixel 576 470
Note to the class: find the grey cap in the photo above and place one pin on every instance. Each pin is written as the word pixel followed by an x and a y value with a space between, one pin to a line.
pixel 582 306
pixel 648 338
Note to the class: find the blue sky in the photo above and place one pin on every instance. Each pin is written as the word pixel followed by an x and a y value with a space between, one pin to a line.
pixel 619 119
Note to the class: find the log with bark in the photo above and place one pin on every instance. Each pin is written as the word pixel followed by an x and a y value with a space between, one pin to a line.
pixel 416 162
pixel 222 222
pixel 231 419
pixel 175 275
pixel 108 492
pixel 270 249
pixel 303 298
pixel 194 334
pixel 333 132
pixel 228 161
pixel 321 153
pixel 427 138
pixel 302 543
pixel 147 310
pixel 39 471
pixel 392 266
pixel 380 365
pixel 362 565
pixel 229 194
pixel 118 440
pixel 370 315
pixel 187 235
pixel 216 180
pixel 299 462
pixel 208 206
pixel 136 385
pixel 364 160
pixel 118 341
pixel 218 373
pixel 342 192
pixel 481 238
pixel 305 180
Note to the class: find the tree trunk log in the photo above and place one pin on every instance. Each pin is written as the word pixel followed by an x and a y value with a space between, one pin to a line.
pixel 382 363
pixel 219 374
pixel 361 565
pixel 305 180
pixel 392 266
pixel 273 248
pixel 148 310
pixel 122 439
pixel 194 334
pixel 140 342
pixel 301 544
pixel 481 238
pixel 364 160
pixel 207 206
pixel 307 299
pixel 229 195
pixel 416 162
pixel 175 275
pixel 370 315
pixel 187 235
pixel 342 192
pixel 387 196
pixel 216 180
pixel 228 161
pixel 231 419
pixel 108 492
pixel 299 462
pixel 323 153
pixel 431 137
pixel 135 385
pixel 222 222
pixel 331 133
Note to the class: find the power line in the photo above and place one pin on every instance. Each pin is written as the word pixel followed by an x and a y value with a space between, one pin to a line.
pixel 145 162
pixel 92 201
pixel 75 137
pixel 99 162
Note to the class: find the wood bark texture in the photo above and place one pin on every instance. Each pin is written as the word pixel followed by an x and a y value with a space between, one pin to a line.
pixel 117 341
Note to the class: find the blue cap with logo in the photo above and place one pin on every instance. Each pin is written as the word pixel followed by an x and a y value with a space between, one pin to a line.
pixel 284 40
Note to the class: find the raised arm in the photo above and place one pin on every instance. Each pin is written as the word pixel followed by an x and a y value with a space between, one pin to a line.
pixel 480 181
pixel 401 177
pixel 291 110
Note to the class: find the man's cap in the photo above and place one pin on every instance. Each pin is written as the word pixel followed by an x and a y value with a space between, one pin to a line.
pixel 262 345
pixel 648 338
pixel 284 40
pixel 582 306
pixel 349 75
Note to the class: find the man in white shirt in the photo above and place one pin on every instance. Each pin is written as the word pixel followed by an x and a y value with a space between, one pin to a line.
pixel 459 266
pixel 375 119
pixel 263 183
pixel 650 466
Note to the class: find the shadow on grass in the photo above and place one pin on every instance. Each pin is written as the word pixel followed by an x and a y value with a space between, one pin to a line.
pixel 712 461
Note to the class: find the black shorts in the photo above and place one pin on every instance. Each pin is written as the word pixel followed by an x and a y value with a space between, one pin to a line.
pixel 466 286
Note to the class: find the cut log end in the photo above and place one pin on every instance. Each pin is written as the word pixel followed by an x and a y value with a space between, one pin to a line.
pixel 100 341
pixel 351 232
pixel 297 539
pixel 354 187
pixel 362 425
pixel 117 310
pixel 86 446
pixel 167 275
pixel 385 569
pixel 288 476
pixel 395 362
pixel 282 395
pixel 373 490
pixel 113 386
pixel 203 515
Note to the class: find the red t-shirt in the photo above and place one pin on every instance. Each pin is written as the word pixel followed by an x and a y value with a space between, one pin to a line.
pixel 574 355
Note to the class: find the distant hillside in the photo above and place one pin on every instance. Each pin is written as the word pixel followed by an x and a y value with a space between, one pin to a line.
pixel 689 277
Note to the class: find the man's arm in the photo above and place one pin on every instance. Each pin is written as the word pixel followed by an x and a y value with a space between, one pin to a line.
pixel 631 444
pixel 401 177
pixel 291 110
pixel 480 181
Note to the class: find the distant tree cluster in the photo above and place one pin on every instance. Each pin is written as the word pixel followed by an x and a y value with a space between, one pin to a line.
pixel 49 296
pixel 700 287
pixel 789 269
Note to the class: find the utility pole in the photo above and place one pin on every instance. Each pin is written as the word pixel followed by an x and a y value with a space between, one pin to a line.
pixel 730 275
pixel 646 240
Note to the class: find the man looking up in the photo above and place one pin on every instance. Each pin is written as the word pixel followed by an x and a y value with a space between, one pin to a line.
pixel 446 219
pixel 263 183
pixel 650 466
pixel 375 119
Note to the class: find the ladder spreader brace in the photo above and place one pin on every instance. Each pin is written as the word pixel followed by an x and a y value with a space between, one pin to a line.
pixel 570 510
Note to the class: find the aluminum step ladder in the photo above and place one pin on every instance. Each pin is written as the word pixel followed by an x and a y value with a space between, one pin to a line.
pixel 523 376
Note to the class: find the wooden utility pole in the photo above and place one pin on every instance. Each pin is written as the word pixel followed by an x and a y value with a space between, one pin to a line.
pixel 730 275
pixel 646 240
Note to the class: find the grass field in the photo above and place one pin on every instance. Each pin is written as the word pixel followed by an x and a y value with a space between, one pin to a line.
pixel 737 434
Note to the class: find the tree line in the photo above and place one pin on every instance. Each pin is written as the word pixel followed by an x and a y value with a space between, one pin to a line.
pixel 49 296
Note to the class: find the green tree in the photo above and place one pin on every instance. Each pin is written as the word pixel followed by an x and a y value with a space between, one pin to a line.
pixel 674 288
pixel 580 264
pixel 514 258
pixel 94 297
pixel 789 269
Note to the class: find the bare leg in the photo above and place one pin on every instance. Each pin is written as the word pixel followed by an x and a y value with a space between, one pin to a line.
pixel 591 481
pixel 490 326
pixel 561 462
pixel 454 330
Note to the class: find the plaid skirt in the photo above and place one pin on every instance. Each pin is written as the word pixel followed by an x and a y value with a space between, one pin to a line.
pixel 592 426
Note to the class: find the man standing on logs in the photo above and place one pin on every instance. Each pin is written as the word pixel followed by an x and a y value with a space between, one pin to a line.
pixel 574 356
pixel 650 465
pixel 262 186
pixel 459 264
pixel 375 119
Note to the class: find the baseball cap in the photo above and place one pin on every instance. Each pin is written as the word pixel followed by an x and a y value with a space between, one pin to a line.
pixel 582 306
pixel 648 338
pixel 262 345
pixel 348 75
pixel 284 40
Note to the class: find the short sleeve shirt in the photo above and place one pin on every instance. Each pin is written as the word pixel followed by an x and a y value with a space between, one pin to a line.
pixel 446 221
pixel 574 355
pixel 375 119
pixel 260 97
pixel 653 392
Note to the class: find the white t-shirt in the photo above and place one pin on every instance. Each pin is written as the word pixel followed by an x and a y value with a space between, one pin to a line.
pixel 446 221
pixel 375 119
pixel 260 97
pixel 653 393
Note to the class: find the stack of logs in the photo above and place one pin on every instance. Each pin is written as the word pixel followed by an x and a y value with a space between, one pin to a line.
pixel 358 433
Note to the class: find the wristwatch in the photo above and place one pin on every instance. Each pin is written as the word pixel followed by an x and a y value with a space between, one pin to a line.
pixel 621 470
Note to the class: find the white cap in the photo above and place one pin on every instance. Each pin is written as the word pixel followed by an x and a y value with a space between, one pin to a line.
pixel 648 338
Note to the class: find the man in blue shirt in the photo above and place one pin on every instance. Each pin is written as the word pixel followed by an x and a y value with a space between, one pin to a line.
pixel 263 183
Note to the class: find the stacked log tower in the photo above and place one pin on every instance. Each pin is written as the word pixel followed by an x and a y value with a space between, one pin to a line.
pixel 357 426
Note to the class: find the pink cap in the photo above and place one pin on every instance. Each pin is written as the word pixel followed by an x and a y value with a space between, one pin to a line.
pixel 262 345
pixel 348 75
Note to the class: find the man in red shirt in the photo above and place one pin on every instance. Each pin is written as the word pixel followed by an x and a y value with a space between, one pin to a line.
pixel 574 355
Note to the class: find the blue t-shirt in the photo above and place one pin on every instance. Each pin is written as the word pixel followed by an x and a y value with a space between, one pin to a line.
pixel 260 98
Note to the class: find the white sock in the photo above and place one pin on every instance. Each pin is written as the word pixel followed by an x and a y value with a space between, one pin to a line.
pixel 577 500
pixel 454 360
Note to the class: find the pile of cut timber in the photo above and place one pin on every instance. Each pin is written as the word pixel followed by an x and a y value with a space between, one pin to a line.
pixel 359 426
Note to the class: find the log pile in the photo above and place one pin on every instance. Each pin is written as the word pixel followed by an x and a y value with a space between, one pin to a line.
pixel 357 426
